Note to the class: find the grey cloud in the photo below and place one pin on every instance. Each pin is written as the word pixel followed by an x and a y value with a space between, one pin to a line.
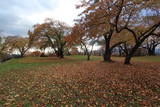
pixel 11 11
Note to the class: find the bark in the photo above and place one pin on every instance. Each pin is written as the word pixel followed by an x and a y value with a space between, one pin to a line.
pixel 107 52
pixel 60 52
pixel 134 49
pixel 139 42
pixel 53 46
pixel 152 47
pixel 151 51
pixel 22 51
pixel 107 56
pixel 22 55
pixel 88 57
pixel 128 59
pixel 132 52
pixel 87 52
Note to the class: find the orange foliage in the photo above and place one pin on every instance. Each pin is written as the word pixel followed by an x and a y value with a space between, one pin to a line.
pixel 36 53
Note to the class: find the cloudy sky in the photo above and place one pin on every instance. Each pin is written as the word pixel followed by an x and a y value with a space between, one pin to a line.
pixel 17 16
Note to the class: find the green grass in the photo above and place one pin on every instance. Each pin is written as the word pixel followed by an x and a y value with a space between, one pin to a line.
pixel 34 62
pixel 29 62
pixel 147 58
pixel 15 64
pixel 140 58
pixel 83 58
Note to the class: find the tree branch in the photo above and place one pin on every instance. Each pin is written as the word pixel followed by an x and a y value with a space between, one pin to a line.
pixel 115 45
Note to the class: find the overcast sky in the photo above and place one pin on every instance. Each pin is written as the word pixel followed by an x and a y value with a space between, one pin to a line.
pixel 18 16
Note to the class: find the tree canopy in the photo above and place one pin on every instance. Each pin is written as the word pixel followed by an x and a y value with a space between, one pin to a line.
pixel 52 33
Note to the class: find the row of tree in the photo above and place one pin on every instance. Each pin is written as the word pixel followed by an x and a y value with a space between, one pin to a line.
pixel 126 24
pixel 50 34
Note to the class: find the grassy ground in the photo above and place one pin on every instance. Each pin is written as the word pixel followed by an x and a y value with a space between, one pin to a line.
pixel 33 62
pixel 148 58
pixel 25 63
pixel 72 81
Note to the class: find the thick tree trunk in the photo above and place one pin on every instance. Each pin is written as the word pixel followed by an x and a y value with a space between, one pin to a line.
pixel 140 40
pixel 128 59
pixel 107 53
pixel 61 53
pixel 107 56
pixel 131 53
pixel 22 55
pixel 57 53
pixel 88 58
pixel 85 53
pixel 151 52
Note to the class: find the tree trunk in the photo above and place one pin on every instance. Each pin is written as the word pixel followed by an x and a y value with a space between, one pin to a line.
pixel 139 41
pixel 131 53
pixel 88 57
pixel 85 53
pixel 107 53
pixel 61 53
pixel 57 53
pixel 22 55
pixel 151 51
pixel 107 56
pixel 120 51
pixel 128 59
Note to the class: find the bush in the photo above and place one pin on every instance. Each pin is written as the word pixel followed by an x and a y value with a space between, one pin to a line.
pixel 35 53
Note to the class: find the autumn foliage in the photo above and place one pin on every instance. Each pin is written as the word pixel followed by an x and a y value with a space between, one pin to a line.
pixel 106 18
pixel 52 34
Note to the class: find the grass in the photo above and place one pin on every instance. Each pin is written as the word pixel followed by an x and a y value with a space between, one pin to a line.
pixel 148 58
pixel 49 81
pixel 33 62
pixel 83 58
pixel 28 63
pixel 16 64
pixel 141 58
